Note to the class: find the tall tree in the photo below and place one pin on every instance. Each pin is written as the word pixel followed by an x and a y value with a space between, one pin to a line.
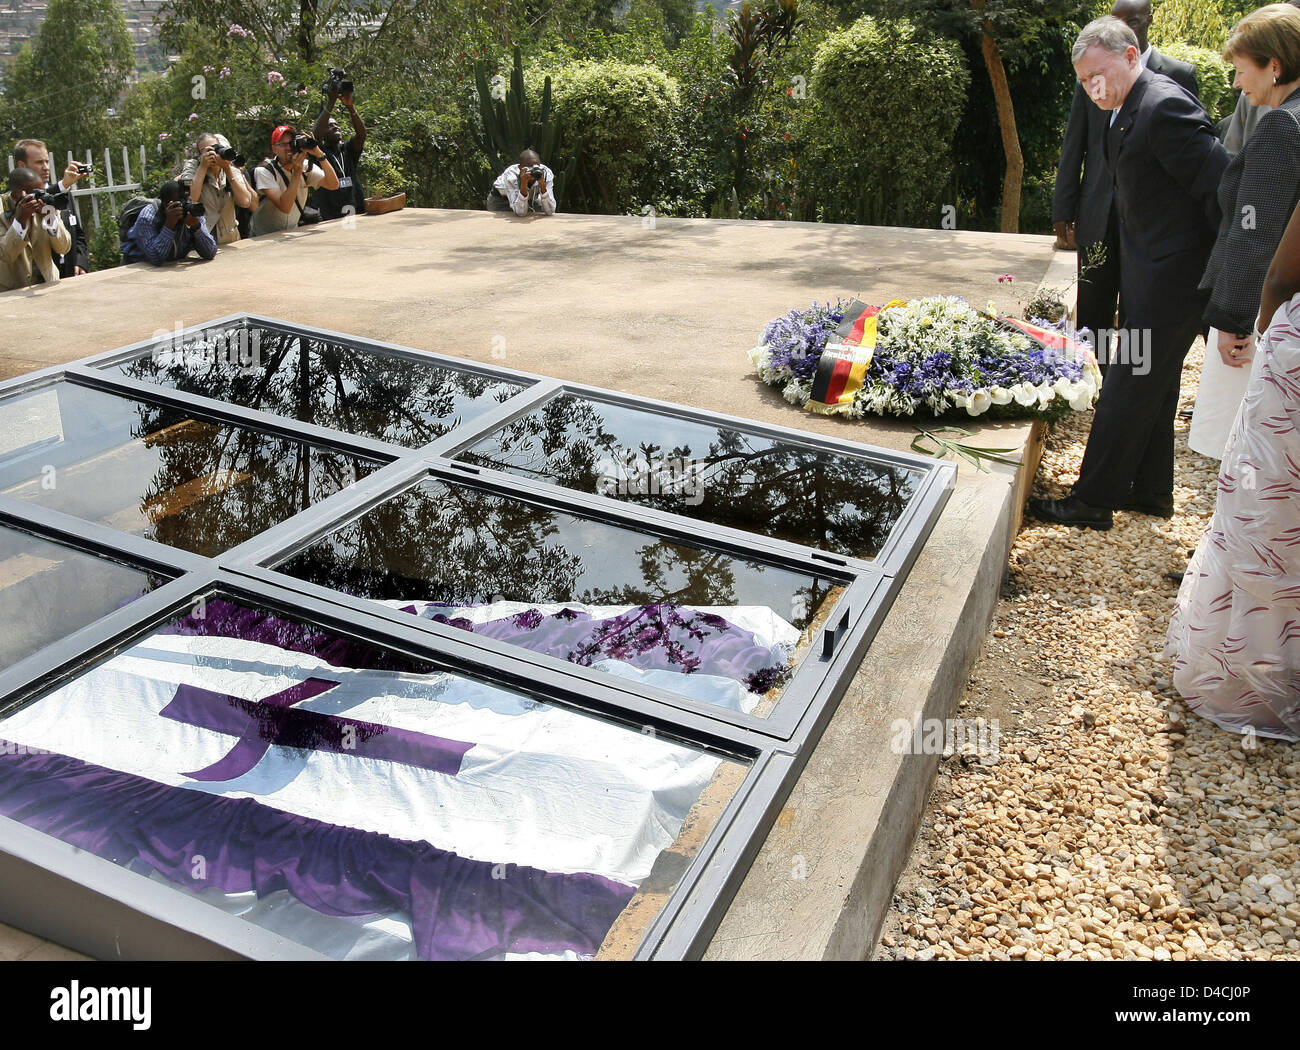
pixel 1004 28
pixel 64 81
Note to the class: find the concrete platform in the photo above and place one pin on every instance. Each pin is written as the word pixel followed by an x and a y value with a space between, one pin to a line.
pixel 665 312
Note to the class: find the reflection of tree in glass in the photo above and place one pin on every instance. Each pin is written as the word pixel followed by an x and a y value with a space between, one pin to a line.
pixel 463 546
pixel 331 384
pixel 217 485
pixel 836 502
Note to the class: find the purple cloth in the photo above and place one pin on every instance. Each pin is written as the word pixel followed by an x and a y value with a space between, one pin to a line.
pixel 459 908
pixel 272 720
pixel 663 636
pixel 225 619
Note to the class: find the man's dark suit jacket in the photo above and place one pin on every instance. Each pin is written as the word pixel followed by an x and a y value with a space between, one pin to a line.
pixel 1086 201
pixel 80 253
pixel 1166 164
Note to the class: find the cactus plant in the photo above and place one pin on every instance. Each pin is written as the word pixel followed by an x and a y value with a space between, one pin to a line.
pixel 509 125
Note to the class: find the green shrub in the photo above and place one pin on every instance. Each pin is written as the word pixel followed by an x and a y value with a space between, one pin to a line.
pixel 897 94
pixel 1203 23
pixel 623 115
pixel 1212 74
pixel 105 249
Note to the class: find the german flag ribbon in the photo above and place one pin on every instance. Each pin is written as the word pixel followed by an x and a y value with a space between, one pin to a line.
pixel 1049 337
pixel 846 358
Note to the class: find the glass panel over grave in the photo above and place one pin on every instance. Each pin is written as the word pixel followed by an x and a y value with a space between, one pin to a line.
pixel 317 380
pixel 48 590
pixel 160 472
pixel 701 623
pixel 358 800
pixel 846 504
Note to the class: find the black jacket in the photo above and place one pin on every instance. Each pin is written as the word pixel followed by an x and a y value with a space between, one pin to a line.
pixel 80 253
pixel 1166 164
pixel 1085 200
pixel 1259 192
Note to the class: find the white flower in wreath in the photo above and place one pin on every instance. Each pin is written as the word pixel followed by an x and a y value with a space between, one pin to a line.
pixel 1083 398
pixel 1046 394
pixel 979 402
pixel 1025 394
pixel 1000 395
pixel 760 356
pixel 1065 387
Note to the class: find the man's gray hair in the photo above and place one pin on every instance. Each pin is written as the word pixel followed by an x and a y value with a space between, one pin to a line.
pixel 1107 32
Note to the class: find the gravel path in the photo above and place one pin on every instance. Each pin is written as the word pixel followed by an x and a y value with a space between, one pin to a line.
pixel 1112 822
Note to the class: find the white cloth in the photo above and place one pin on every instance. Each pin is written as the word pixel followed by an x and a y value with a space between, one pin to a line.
pixel 542 786
pixel 1218 399
pixel 270 219
pixel 768 629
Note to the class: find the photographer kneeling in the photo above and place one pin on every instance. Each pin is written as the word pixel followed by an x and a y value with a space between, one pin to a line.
pixel 524 187
pixel 169 229
pixel 282 180
pixel 218 184
pixel 33 234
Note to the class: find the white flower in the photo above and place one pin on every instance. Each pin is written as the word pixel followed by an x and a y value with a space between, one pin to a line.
pixel 1082 401
pixel 979 402
pixel 1064 387
pixel 1046 394
pixel 1000 395
pixel 1024 394
pixel 758 356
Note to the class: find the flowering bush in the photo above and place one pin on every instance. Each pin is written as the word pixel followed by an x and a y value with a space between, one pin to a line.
pixel 935 356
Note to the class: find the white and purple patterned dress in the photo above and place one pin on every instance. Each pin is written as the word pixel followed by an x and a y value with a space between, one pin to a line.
pixel 1235 634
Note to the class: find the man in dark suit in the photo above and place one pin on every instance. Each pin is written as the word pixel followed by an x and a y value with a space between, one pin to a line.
pixel 31 153
pixel 1083 206
pixel 1166 165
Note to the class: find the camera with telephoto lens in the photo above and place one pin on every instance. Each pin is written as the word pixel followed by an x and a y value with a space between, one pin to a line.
pixel 229 153
pixel 55 200
pixel 303 142
pixel 338 83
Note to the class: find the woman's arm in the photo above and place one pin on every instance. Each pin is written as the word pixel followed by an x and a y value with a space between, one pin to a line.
pixel 244 197
pixel 1283 280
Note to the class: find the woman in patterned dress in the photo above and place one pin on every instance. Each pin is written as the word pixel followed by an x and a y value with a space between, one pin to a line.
pixel 1235 633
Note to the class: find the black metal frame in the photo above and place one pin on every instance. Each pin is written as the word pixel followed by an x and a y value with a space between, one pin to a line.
pixel 153 916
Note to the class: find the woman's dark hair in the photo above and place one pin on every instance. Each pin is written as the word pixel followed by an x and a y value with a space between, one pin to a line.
pixel 173 190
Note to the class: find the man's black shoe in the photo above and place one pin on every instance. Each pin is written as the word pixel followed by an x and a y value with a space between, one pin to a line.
pixel 1184 413
pixel 1071 511
pixel 1156 506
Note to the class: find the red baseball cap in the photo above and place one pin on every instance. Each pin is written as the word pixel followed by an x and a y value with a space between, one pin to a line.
pixel 280 132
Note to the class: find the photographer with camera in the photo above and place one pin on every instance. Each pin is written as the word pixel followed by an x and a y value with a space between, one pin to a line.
pixel 282 180
pixel 32 153
pixel 169 229
pixel 348 199
pixel 524 187
pixel 34 232
pixel 217 182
